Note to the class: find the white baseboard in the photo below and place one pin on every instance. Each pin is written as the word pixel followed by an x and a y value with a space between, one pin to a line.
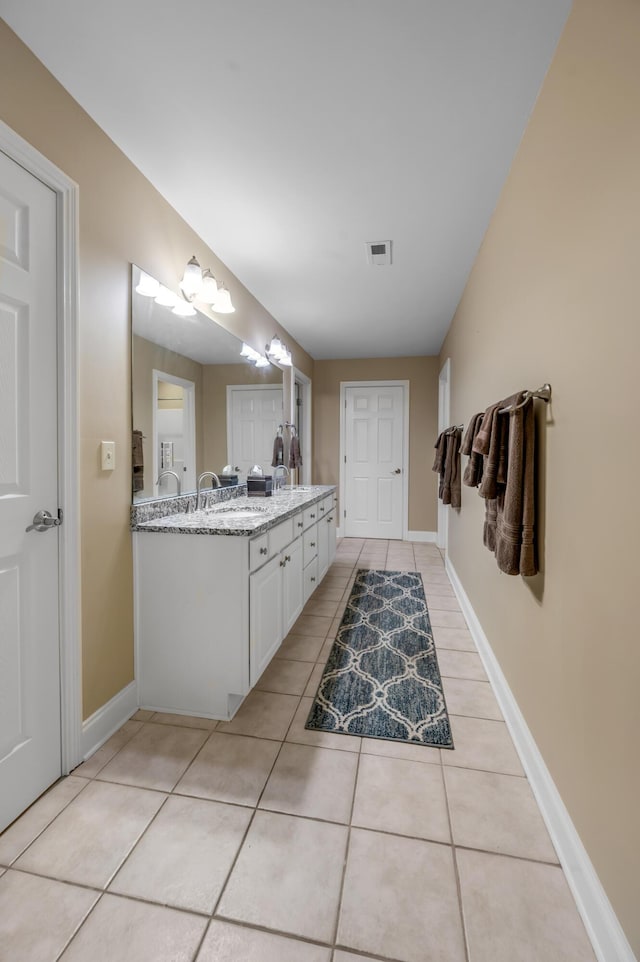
pixel 108 719
pixel 430 536
pixel 607 937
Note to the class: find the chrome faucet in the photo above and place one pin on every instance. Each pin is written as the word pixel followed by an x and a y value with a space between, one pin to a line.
pixel 280 479
pixel 205 474
pixel 163 474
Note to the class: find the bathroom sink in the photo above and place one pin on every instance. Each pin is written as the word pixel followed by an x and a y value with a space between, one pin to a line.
pixel 240 512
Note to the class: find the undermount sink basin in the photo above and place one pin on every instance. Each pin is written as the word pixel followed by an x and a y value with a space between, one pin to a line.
pixel 241 511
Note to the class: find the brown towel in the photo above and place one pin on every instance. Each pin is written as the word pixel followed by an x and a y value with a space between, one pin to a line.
pixel 137 461
pixel 295 458
pixel 494 447
pixel 441 450
pixel 473 471
pixel 451 492
pixel 278 451
pixel 515 522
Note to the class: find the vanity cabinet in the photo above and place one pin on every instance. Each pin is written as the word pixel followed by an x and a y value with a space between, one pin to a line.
pixel 275 603
pixel 211 611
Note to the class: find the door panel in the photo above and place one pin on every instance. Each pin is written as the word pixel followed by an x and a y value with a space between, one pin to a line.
pixel 374 450
pixel 29 627
pixel 255 415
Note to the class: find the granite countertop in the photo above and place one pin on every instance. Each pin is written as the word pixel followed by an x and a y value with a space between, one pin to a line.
pixel 240 515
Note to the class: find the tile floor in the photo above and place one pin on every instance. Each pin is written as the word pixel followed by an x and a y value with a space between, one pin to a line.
pixel 255 840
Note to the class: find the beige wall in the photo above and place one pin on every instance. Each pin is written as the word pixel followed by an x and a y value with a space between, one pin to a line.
pixel 216 379
pixel 422 374
pixel 554 296
pixel 148 357
pixel 123 220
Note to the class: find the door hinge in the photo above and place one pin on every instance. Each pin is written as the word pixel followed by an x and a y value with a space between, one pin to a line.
pixel 60 515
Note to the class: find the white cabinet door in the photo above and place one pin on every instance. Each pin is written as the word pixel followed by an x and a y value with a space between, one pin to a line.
pixel 323 547
pixel 292 585
pixel 331 528
pixel 265 619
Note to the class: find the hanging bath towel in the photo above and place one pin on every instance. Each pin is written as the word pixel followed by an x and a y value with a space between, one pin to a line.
pixel 295 458
pixel 278 451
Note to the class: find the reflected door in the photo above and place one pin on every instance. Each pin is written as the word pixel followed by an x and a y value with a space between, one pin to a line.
pixel 374 432
pixel 30 748
pixel 254 415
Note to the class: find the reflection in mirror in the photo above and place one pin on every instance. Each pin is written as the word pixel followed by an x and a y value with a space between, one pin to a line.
pixel 196 404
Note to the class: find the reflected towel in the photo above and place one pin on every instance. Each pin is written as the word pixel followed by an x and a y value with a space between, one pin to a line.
pixel 295 458
pixel 278 451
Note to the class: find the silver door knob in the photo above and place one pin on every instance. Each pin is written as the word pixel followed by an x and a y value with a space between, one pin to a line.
pixel 397 471
pixel 42 521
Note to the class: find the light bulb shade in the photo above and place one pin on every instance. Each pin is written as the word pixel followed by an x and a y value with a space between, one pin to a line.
pixel 209 289
pixel 148 286
pixel 183 308
pixel 223 303
pixel 191 279
pixel 262 361
pixel 285 358
pixel 275 349
pixel 165 297
pixel 246 351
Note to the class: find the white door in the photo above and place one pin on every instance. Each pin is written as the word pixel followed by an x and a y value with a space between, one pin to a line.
pixel 30 740
pixel 444 394
pixel 254 416
pixel 373 469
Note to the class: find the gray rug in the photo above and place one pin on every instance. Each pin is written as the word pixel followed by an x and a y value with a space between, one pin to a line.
pixel 382 678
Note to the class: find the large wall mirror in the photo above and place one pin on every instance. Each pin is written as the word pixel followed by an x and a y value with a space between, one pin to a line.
pixel 197 405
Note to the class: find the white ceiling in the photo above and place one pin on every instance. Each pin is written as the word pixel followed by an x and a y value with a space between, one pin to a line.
pixel 289 132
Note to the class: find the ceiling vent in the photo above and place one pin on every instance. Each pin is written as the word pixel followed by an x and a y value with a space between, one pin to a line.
pixel 379 253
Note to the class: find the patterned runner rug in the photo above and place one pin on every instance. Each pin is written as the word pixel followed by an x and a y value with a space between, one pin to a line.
pixel 382 678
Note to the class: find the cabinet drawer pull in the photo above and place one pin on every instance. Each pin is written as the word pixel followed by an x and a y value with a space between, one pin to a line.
pixel 283 563
pixel 322 510
pixel 287 557
pixel 329 520
pixel 312 544
pixel 313 579
pixel 263 551
pixel 312 515
pixel 300 524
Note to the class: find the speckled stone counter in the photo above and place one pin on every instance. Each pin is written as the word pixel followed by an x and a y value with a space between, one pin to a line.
pixel 235 515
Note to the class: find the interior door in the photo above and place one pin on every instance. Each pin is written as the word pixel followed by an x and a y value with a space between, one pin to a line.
pixel 254 417
pixel 375 457
pixel 30 738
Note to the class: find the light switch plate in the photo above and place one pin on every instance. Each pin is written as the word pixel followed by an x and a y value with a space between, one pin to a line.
pixel 108 455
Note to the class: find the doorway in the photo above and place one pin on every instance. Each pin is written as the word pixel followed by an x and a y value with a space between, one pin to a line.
pixel 40 708
pixel 174 433
pixel 374 459
pixel 254 415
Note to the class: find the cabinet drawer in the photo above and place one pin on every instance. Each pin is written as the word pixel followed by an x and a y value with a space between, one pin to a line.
pixel 310 579
pixel 258 551
pixel 310 544
pixel 280 536
pixel 310 515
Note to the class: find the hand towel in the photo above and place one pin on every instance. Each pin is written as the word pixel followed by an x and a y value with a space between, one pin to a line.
pixel 515 520
pixel 473 471
pixel 137 461
pixel 278 451
pixel 441 449
pixel 295 458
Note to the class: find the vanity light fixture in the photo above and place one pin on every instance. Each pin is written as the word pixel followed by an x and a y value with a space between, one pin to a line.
pixel 183 308
pixel 165 297
pixel 148 286
pixel 258 359
pixel 201 285
pixel 279 351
